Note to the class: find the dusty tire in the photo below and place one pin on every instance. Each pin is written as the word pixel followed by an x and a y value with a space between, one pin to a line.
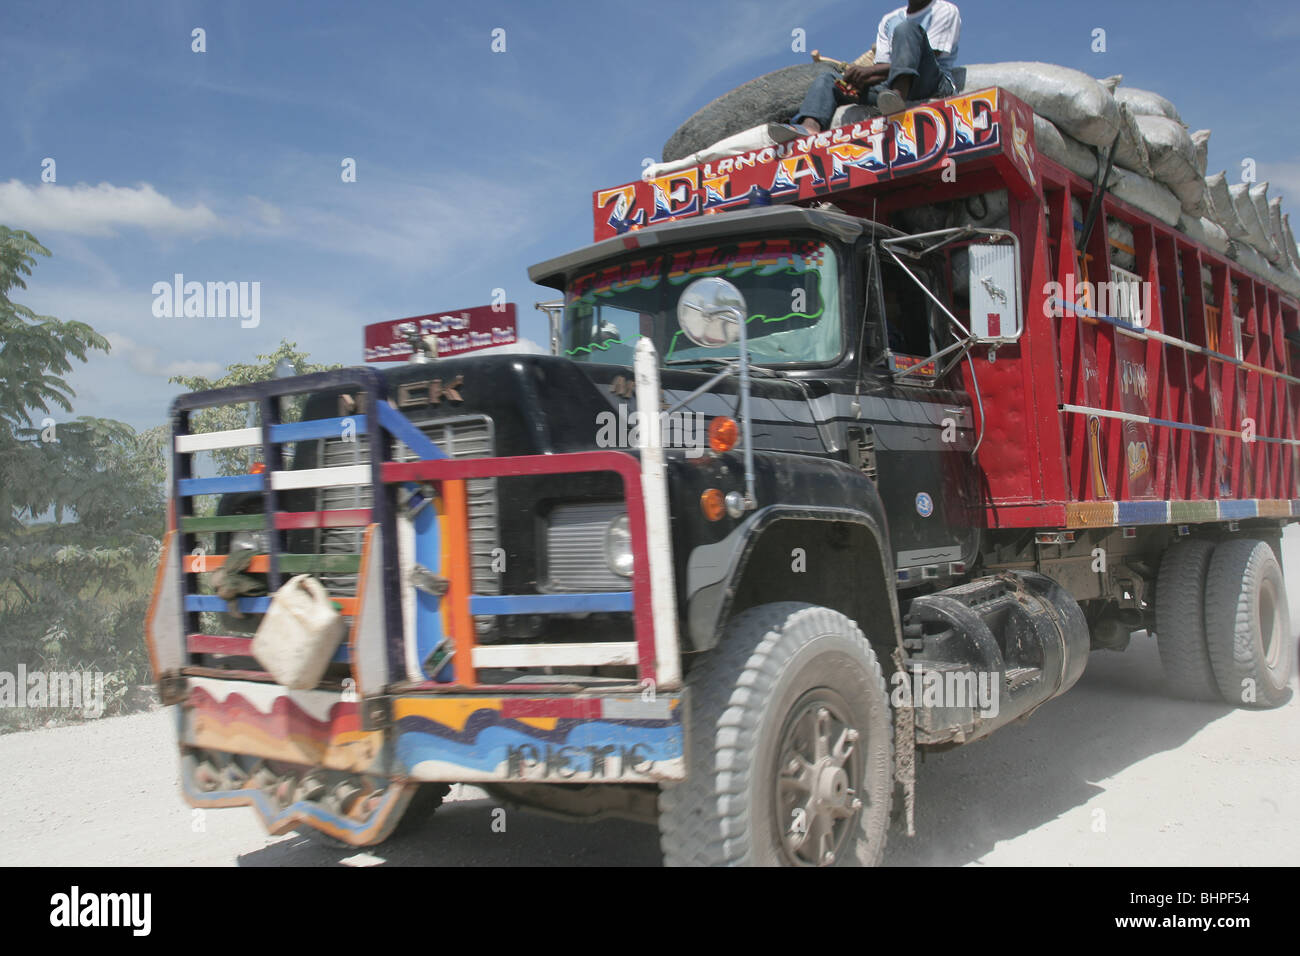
pixel 771 98
pixel 1247 624
pixel 787 680
pixel 1180 619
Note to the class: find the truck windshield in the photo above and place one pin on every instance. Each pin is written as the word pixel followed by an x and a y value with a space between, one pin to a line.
pixel 791 289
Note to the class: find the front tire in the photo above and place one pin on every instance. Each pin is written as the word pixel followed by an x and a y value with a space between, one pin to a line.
pixel 791 747
pixel 1248 626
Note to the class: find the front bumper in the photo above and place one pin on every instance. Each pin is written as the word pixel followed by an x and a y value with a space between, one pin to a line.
pixel 304 758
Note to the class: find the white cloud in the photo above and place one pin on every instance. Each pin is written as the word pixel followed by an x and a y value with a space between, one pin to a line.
pixel 98 210
pixel 146 361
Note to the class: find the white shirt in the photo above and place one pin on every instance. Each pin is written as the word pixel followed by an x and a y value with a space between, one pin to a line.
pixel 941 22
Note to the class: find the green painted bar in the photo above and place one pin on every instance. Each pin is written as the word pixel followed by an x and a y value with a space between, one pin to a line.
pixel 254 522
pixel 1191 512
pixel 320 562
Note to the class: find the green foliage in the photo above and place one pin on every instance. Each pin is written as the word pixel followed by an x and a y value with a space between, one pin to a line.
pixel 37 349
pixel 237 461
pixel 81 503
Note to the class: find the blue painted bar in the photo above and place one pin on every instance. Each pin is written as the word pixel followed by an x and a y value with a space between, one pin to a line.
pixel 220 486
pixel 428 615
pixel 1140 330
pixel 400 426
pixel 318 428
pixel 1172 424
pixel 1143 512
pixel 210 602
pixel 550 603
pixel 1236 508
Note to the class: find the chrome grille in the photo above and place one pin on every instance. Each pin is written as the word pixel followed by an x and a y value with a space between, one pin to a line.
pixel 469 437
pixel 575 548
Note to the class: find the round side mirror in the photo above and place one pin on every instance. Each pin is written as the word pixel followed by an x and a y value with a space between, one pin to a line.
pixel 710 311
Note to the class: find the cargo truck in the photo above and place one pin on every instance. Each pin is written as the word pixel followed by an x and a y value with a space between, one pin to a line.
pixel 802 491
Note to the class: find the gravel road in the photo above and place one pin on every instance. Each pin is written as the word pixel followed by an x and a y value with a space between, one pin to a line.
pixel 1112 773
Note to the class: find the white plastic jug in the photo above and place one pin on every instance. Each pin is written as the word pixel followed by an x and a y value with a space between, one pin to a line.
pixel 299 633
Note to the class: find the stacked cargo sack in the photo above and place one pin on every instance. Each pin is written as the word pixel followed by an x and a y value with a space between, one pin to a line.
pixel 1159 165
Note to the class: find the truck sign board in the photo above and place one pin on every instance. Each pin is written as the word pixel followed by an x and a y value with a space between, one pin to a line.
pixel 457 332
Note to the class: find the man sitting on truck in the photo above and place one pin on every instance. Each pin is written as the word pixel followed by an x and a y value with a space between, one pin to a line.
pixel 916 49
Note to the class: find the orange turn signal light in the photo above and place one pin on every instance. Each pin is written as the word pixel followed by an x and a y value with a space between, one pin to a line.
pixel 723 434
pixel 712 504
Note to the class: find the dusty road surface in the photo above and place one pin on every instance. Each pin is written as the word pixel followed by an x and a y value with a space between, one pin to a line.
pixel 1112 773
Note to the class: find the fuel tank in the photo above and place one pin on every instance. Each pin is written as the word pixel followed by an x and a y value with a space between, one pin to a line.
pixel 988 652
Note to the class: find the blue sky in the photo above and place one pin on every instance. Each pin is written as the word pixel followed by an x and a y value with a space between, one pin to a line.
pixel 225 165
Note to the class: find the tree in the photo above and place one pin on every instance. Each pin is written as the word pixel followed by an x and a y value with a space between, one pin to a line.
pixel 235 461
pixel 81 502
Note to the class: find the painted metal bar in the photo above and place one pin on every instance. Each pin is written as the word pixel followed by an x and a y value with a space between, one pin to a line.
pixel 318 428
pixel 613 601
pixel 251 522
pixel 210 441
pixel 338 563
pixel 241 646
pixel 568 463
pixel 1148 420
pixel 359 377
pixel 383 505
pixel 1142 512
pixel 335 518
pixel 1137 331
pixel 621 463
pixel 210 602
pixel 320 477
pixel 355 634
pixel 368 387
pixel 273 456
pixel 458 573
pixel 654 489
pixel 226 484
pixel 555 655
pixel 401 427
pixel 255 605
pixel 1236 508
pixel 428 612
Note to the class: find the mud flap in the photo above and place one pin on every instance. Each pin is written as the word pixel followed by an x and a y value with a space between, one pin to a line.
pixel 905 749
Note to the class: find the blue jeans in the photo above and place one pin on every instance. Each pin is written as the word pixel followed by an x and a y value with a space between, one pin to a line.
pixel 911 56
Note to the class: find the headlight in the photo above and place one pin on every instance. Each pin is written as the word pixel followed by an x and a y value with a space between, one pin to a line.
pixel 618 546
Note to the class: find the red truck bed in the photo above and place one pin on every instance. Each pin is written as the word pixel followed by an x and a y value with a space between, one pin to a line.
pixel 1186 413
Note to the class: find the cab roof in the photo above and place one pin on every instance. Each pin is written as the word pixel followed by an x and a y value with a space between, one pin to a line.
pixel 832 222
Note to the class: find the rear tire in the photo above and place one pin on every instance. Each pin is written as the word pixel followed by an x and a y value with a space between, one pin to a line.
pixel 790 750
pixel 1180 619
pixel 1248 626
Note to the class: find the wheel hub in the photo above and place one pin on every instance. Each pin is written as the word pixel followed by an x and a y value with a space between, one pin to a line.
pixel 816 803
